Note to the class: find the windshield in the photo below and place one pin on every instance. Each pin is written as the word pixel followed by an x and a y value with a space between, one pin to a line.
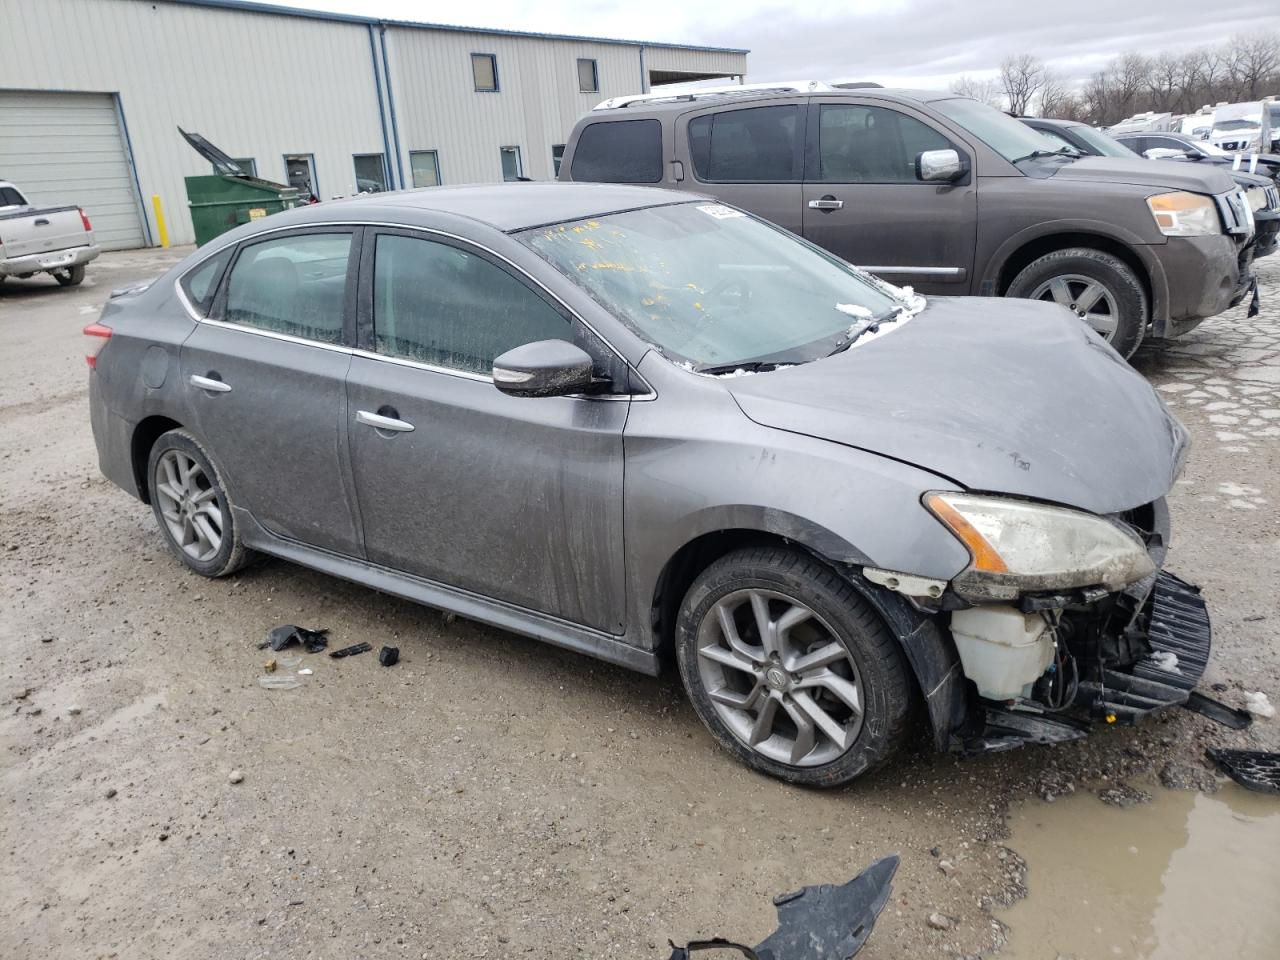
pixel 710 286
pixel 1244 123
pixel 1006 136
pixel 1103 144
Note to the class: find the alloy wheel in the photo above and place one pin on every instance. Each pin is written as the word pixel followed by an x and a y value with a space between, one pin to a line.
pixel 189 504
pixel 1087 298
pixel 779 678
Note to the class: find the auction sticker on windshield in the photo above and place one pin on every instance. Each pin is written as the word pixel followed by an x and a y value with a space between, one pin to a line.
pixel 720 211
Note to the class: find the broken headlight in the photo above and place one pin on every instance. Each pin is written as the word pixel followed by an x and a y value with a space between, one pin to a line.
pixel 1184 214
pixel 1018 546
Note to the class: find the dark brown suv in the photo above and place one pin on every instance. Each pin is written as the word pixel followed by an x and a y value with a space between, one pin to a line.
pixel 946 194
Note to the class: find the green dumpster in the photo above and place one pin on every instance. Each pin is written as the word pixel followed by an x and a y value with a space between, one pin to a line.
pixel 228 198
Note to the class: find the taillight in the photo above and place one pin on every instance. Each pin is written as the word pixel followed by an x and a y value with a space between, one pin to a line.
pixel 88 227
pixel 96 330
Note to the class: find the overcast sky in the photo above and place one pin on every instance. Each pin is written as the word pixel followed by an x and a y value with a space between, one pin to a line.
pixel 902 42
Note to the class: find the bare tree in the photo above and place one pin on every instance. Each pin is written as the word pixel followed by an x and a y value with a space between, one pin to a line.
pixel 1022 76
pixel 986 89
pixel 1256 60
pixel 1054 96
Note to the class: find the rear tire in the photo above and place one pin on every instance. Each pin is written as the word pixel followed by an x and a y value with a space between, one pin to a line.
pixel 191 506
pixel 70 277
pixel 1117 303
pixel 829 649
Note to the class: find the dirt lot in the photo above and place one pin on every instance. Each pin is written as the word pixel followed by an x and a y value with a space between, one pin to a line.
pixel 489 796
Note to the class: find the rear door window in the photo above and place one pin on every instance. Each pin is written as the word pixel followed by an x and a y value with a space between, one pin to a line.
pixel 864 144
pixel 619 151
pixel 294 285
pixel 201 284
pixel 441 305
pixel 754 145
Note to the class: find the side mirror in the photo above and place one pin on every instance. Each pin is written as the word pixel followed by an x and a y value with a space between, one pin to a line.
pixel 545 368
pixel 939 165
pixel 1164 153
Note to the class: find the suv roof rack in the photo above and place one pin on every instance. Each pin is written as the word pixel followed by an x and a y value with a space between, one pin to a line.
pixel 736 89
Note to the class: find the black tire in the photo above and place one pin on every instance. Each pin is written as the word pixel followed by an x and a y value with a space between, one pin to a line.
pixel 888 692
pixel 231 553
pixel 1117 277
pixel 70 277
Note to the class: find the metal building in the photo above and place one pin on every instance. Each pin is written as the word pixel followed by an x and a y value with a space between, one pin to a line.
pixel 92 93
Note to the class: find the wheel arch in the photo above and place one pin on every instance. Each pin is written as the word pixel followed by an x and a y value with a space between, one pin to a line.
pixel 1032 250
pixel 145 435
pixel 930 651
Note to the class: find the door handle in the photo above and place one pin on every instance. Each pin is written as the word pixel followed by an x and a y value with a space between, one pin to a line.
pixel 41 222
pixel 827 203
pixel 208 383
pixel 379 422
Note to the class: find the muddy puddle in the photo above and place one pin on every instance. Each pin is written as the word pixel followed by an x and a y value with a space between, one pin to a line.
pixel 1184 877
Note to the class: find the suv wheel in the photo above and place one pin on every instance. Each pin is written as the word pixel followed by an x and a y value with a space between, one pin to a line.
pixel 1101 289
pixel 192 507
pixel 790 669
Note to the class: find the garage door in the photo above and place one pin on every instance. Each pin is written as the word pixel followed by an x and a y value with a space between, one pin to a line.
pixel 67 148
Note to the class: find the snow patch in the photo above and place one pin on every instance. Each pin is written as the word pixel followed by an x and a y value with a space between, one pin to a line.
pixel 1258 704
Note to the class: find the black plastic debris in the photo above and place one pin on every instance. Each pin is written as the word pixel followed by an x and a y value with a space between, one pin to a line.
pixel 389 656
pixel 1219 712
pixel 288 634
pixel 1252 769
pixel 817 923
pixel 351 651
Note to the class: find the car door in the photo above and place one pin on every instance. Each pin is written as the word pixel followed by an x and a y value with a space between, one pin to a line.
pixel 515 499
pixel 266 376
pixel 864 202
pixel 751 157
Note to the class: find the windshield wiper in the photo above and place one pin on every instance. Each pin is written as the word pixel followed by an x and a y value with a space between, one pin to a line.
pixel 1060 152
pixel 747 366
pixel 871 327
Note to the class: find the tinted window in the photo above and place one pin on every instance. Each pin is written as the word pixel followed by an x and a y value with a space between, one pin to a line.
pixel 624 151
pixel 437 304
pixel 10 197
pixel 859 144
pixel 294 285
pixel 201 283
pixel 371 172
pixel 757 145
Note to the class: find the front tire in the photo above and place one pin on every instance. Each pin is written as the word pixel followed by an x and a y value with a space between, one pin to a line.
pixel 191 506
pixel 791 669
pixel 1099 288
pixel 70 277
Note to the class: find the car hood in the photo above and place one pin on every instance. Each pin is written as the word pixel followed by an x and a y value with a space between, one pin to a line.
pixel 1005 396
pixel 1169 174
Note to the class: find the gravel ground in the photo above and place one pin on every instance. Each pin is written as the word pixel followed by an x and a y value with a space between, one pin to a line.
pixel 455 806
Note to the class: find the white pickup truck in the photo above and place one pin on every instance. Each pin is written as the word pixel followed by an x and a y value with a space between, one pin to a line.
pixel 53 240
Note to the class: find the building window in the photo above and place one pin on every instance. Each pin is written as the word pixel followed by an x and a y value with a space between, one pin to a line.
pixel 588 76
pixel 371 172
pixel 511 169
pixel 557 157
pixel 247 164
pixel 425 168
pixel 300 172
pixel 484 71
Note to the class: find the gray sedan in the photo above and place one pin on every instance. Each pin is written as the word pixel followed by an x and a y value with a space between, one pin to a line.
pixel 641 424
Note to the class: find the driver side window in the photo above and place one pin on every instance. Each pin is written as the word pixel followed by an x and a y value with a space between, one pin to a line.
pixel 863 144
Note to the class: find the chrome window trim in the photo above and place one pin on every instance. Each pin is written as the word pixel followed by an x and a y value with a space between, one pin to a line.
pixel 916 271
pixel 649 394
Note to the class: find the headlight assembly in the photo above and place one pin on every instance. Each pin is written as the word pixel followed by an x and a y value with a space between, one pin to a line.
pixel 1018 546
pixel 1185 214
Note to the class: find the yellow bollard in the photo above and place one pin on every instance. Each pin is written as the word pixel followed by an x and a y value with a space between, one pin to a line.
pixel 160 227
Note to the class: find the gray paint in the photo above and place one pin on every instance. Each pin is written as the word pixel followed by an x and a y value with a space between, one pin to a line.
pixel 977 226
pixel 556 517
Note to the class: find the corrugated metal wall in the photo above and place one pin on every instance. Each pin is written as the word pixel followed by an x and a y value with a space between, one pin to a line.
pixel 265 85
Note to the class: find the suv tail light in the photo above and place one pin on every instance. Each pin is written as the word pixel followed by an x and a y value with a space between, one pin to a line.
pixel 96 330
pixel 88 227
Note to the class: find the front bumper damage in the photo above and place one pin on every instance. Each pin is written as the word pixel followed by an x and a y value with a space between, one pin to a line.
pixel 1153 663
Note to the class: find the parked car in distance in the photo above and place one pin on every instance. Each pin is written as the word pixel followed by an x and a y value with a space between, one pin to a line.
pixel 1260 191
pixel 1170 142
pixel 53 240
pixel 637 423
pixel 947 194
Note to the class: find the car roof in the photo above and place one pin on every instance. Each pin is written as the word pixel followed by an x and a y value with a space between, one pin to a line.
pixel 692 100
pixel 505 206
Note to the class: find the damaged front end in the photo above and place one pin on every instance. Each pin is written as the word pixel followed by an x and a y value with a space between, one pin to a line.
pixel 1062 619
